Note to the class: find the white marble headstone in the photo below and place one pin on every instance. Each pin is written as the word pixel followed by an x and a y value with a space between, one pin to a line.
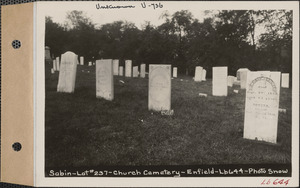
pixel 116 66
pixel 203 75
pixel 90 63
pixel 159 97
pixel 54 64
pixel 243 78
pixel 219 81
pixel 121 71
pixel 104 79
pixel 57 64
pixel 262 104
pixel 285 80
pixel 67 74
pixel 230 80
pixel 143 70
pixel 198 74
pixel 135 71
pixel 128 68
pixel 81 60
pixel 175 72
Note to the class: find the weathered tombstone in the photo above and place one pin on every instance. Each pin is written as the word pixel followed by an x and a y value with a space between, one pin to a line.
pixel 219 81
pixel 143 70
pixel 285 80
pixel 230 81
pixel 243 78
pixel 198 74
pixel 90 63
pixel 121 71
pixel 81 60
pixel 104 79
pixel 57 64
pixel 54 65
pixel 203 75
pixel 47 54
pixel 67 74
pixel 262 104
pixel 175 72
pixel 135 71
pixel 128 68
pixel 238 73
pixel 116 66
pixel 159 97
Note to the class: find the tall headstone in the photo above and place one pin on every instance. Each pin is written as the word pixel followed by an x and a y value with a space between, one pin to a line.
pixel 175 72
pixel 135 71
pixel 198 74
pixel 230 80
pixel 243 78
pixel 159 97
pixel 67 74
pixel 47 54
pixel 219 81
pixel 81 60
pixel 203 75
pixel 57 64
pixel 128 68
pixel 143 70
pixel 116 66
pixel 285 80
pixel 121 71
pixel 104 79
pixel 54 64
pixel 262 105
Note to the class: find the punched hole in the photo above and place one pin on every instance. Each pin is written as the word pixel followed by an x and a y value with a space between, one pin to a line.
pixel 16 44
pixel 17 146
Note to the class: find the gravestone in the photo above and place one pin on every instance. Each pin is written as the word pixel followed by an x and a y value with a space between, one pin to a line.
pixel 230 80
pixel 81 60
pixel 143 70
pixel 203 75
pixel 121 71
pixel 47 54
pixel 52 71
pixel 198 74
pixel 90 63
pixel 135 71
pixel 285 80
pixel 104 79
pixel 128 68
pixel 175 72
pixel 159 96
pixel 67 74
pixel 54 65
pixel 238 73
pixel 116 66
pixel 219 81
pixel 262 104
pixel 243 78
pixel 57 64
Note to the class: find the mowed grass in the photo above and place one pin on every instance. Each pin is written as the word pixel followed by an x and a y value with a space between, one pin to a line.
pixel 82 130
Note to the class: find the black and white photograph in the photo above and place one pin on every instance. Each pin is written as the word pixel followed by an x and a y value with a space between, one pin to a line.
pixel 169 89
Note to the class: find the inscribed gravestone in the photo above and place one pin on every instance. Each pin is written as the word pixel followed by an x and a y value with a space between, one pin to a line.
pixel 81 60
pixel 135 71
pixel 175 72
pixel 121 71
pixel 159 96
pixel 104 79
pixel 285 80
pixel 262 104
pixel 219 81
pixel 143 70
pixel 203 75
pixel 128 68
pixel 230 81
pixel 198 74
pixel 67 74
pixel 54 65
pixel 116 66
pixel 57 64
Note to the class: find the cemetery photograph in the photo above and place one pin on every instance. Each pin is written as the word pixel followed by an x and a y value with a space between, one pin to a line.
pixel 181 87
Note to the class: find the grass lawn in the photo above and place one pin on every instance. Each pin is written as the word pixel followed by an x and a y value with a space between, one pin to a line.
pixel 82 130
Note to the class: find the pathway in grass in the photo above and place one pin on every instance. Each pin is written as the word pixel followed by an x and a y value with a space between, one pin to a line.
pixel 82 130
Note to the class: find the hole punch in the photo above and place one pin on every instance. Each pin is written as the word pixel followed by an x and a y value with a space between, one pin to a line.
pixel 16 44
pixel 17 146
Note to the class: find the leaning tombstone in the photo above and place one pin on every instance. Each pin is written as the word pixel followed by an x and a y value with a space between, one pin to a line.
pixel 159 96
pixel 175 72
pixel 262 104
pixel 135 71
pixel 203 75
pixel 198 74
pixel 128 68
pixel 81 60
pixel 143 70
pixel 54 64
pixel 285 80
pixel 57 64
pixel 121 71
pixel 116 67
pixel 104 79
pixel 67 74
pixel 230 81
pixel 219 81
